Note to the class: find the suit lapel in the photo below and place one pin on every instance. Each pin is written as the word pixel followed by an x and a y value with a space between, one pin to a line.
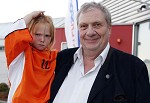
pixel 103 78
pixel 59 78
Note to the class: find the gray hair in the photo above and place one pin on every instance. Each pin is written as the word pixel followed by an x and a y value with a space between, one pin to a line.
pixel 99 6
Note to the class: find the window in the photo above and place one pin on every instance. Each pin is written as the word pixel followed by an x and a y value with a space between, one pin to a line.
pixel 1 48
pixel 64 45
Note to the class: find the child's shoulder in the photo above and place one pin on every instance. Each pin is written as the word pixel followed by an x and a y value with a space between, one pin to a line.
pixel 54 52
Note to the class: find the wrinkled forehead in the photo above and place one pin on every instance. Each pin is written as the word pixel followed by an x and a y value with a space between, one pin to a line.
pixel 91 13
pixel 89 9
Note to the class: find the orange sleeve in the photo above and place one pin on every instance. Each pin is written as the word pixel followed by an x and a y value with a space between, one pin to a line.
pixel 15 43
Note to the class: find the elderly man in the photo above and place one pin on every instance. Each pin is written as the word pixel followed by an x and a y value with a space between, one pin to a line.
pixel 96 72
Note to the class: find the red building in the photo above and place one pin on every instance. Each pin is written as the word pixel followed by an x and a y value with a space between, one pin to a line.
pixel 121 37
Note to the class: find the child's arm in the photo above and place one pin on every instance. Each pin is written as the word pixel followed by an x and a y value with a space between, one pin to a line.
pixel 20 23
pixel 31 16
pixel 18 36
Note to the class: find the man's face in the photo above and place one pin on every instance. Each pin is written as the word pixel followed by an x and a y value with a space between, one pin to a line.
pixel 94 30
pixel 41 36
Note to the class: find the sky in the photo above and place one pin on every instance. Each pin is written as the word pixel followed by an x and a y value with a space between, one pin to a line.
pixel 11 10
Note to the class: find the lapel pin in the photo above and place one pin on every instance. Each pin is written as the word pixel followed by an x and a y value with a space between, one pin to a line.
pixel 107 76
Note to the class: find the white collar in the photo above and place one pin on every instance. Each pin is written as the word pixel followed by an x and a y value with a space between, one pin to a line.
pixel 78 54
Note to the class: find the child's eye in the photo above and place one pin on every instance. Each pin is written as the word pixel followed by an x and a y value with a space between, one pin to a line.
pixel 37 34
pixel 47 35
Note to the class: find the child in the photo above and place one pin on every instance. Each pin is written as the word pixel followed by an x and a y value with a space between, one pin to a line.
pixel 30 58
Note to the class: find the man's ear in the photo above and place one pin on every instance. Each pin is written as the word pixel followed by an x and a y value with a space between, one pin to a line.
pixel 109 30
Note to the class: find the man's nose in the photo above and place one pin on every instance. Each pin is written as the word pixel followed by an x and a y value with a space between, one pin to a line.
pixel 90 30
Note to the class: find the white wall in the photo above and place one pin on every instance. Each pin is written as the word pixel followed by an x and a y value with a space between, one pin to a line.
pixel 3 68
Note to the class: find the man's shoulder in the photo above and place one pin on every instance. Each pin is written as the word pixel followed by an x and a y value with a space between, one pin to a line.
pixel 122 53
pixel 126 57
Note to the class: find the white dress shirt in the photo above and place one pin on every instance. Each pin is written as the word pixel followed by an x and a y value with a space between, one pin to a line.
pixel 77 85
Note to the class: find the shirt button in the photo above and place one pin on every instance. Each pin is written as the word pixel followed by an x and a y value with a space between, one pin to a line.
pixel 107 76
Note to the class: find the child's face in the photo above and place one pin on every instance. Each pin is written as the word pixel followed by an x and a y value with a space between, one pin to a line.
pixel 41 36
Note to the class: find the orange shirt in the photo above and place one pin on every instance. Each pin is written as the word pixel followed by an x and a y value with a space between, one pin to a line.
pixel 31 72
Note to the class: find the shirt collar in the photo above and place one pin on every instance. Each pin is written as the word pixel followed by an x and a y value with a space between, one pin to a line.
pixel 78 54
pixel 105 53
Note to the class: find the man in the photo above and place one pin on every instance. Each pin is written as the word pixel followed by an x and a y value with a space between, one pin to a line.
pixel 96 72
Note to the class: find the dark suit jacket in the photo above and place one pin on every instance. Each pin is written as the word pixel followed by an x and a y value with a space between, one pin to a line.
pixel 123 78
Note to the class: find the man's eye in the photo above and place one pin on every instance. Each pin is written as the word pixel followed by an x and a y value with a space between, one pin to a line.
pixel 83 27
pixel 97 25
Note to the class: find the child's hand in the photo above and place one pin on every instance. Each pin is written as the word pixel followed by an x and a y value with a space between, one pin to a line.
pixel 32 15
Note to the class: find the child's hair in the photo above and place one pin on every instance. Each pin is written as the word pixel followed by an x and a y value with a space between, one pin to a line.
pixel 44 19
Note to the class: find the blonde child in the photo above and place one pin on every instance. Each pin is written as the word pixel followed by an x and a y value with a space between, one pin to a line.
pixel 30 58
